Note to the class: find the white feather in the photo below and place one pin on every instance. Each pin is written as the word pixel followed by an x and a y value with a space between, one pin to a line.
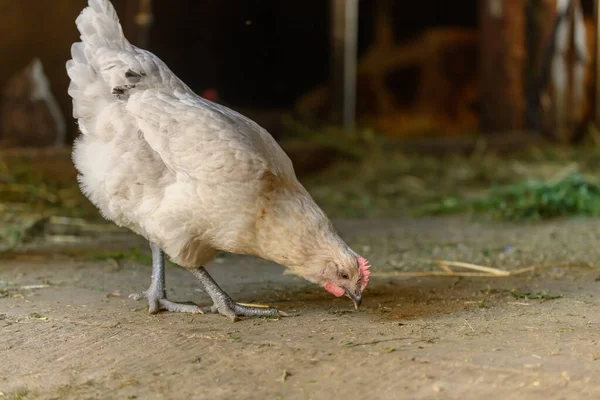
pixel 179 170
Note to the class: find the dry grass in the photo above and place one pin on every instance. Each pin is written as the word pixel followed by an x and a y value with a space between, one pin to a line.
pixel 482 271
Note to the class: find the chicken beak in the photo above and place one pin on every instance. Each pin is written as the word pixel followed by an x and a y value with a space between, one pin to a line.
pixel 356 298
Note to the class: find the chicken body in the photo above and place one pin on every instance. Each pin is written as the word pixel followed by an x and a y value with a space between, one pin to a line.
pixel 191 176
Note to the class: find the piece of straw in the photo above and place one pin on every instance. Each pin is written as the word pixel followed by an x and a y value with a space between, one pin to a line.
pixel 484 272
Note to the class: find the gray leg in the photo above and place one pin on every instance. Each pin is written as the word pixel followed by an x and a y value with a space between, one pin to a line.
pixel 157 293
pixel 223 304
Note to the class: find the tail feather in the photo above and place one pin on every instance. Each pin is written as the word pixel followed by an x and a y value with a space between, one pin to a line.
pixel 100 29
pixel 99 26
pixel 104 7
pixel 78 53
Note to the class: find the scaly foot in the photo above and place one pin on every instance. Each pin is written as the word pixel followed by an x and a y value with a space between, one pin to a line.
pixel 158 303
pixel 157 294
pixel 224 305
pixel 234 311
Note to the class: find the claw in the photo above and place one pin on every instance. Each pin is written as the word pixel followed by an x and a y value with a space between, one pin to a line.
pixel 138 296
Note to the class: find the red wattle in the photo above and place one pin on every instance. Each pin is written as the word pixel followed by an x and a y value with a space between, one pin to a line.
pixel 334 289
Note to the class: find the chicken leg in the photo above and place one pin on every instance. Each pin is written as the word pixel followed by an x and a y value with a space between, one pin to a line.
pixel 223 304
pixel 157 293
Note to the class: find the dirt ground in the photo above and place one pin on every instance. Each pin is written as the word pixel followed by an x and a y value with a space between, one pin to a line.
pixel 78 336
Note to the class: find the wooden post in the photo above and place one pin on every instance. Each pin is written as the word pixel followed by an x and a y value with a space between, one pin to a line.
pixel 540 35
pixel 344 35
pixel 577 60
pixel 502 45
pixel 597 64
pixel 568 71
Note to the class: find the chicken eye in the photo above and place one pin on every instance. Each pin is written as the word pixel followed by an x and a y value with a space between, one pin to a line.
pixel 345 276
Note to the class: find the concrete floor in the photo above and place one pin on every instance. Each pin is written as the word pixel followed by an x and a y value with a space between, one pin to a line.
pixel 80 337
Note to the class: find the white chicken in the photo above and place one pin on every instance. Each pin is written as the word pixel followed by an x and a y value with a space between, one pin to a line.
pixel 191 176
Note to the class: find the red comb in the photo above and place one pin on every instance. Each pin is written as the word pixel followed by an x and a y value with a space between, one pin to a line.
pixel 363 269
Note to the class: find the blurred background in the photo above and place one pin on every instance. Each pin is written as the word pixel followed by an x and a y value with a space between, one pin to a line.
pixel 453 143
pixel 387 108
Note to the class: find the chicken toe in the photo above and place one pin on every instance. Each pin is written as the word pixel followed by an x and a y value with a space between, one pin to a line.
pixel 156 293
pixel 223 304
pixel 157 303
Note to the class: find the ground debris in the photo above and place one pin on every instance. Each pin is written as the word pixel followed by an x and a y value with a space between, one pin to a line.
pixel 284 375
pixel 38 316
pixel 543 295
